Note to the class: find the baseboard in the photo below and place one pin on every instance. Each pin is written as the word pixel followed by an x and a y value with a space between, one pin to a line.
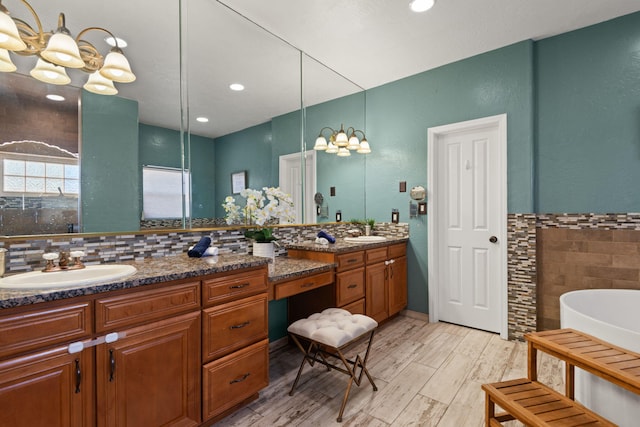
pixel 415 315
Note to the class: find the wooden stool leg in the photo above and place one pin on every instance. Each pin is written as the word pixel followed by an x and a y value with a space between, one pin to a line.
pixel 489 410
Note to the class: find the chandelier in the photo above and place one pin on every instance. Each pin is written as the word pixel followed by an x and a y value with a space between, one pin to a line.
pixel 342 142
pixel 58 50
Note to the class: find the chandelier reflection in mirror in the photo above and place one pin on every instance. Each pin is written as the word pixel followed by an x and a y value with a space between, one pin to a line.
pixel 58 50
pixel 342 142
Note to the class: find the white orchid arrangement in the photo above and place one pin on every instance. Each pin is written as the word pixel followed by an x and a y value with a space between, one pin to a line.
pixel 262 207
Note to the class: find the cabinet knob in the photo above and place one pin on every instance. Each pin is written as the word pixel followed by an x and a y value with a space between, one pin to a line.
pixel 493 239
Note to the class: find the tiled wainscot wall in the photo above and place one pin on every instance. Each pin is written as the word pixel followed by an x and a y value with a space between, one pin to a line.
pixel 584 251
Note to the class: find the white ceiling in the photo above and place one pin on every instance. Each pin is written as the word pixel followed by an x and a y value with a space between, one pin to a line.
pixel 368 42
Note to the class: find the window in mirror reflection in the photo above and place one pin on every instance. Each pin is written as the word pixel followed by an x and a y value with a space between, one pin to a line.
pixel 40 185
pixel 162 192
pixel 39 158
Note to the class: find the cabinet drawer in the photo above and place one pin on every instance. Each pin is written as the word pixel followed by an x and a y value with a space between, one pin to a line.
pixel 234 378
pixel 303 284
pixel 143 306
pixel 230 326
pixel 356 307
pixel 396 251
pixel 233 285
pixel 376 255
pixel 350 260
pixel 349 286
pixel 38 328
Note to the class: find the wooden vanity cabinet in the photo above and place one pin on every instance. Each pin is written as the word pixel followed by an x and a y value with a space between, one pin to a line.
pixel 371 281
pixel 235 345
pixel 153 374
pixel 150 375
pixel 40 382
pixel 48 388
pixel 386 281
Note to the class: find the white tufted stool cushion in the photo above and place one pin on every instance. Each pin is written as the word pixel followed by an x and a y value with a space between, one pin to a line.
pixel 333 327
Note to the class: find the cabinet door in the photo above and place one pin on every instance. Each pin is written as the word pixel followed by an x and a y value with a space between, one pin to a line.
pixel 51 388
pixel 376 297
pixel 151 377
pixel 397 285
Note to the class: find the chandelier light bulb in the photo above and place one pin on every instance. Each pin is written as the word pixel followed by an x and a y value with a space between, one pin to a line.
pixel 6 65
pixel 9 37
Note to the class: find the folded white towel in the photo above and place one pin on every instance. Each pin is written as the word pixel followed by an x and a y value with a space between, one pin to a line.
pixel 211 251
pixel 322 241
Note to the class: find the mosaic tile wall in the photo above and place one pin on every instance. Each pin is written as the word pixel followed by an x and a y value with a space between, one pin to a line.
pixel 26 254
pixel 521 274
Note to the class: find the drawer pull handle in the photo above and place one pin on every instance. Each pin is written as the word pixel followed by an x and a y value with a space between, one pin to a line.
pixel 352 260
pixel 78 376
pixel 244 285
pixel 112 365
pixel 307 285
pixel 351 286
pixel 241 325
pixel 242 378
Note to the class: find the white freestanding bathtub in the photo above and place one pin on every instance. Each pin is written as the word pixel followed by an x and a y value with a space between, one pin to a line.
pixel 612 315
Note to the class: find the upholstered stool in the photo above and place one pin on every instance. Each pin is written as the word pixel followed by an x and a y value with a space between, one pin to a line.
pixel 328 334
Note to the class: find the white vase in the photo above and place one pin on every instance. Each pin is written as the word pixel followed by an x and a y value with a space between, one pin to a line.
pixel 263 249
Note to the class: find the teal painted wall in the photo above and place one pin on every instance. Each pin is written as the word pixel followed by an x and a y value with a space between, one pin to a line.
pixel 161 147
pixel 346 174
pixel 109 154
pixel 588 110
pixel 249 150
pixel 399 114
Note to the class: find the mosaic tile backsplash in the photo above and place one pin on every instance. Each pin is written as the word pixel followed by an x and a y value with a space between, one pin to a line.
pixel 26 254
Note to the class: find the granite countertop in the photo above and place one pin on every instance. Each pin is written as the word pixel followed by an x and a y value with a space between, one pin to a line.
pixel 285 268
pixel 343 246
pixel 150 271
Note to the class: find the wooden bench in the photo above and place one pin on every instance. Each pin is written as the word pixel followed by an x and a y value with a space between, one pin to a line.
pixel 575 348
pixel 535 404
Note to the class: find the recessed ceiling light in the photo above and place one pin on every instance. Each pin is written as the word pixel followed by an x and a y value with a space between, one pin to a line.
pixel 111 42
pixel 421 5
pixel 54 97
pixel 236 86
pixel 202 119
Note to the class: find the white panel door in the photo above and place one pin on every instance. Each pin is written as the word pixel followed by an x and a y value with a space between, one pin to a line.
pixel 468 215
pixel 291 183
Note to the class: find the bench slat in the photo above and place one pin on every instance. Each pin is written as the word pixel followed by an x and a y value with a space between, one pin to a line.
pixel 547 408
pixel 610 362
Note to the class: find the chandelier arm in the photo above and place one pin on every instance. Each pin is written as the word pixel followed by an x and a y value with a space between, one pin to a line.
pixel 36 17
pixel 35 40
pixel 92 58
pixel 86 30
pixel 326 127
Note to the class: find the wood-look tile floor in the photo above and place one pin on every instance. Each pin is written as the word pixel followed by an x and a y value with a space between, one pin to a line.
pixel 428 374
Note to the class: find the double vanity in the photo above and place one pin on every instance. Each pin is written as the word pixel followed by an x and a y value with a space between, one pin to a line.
pixel 181 341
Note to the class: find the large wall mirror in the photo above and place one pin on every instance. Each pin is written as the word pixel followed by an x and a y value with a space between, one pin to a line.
pixel 153 125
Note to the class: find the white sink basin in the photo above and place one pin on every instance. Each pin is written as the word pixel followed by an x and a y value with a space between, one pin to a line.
pixel 365 239
pixel 64 278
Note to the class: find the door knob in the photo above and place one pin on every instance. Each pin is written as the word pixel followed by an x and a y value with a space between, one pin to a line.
pixel 493 239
